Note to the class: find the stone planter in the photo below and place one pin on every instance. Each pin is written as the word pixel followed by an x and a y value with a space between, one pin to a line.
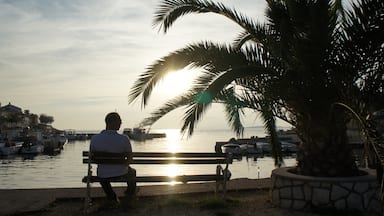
pixel 300 192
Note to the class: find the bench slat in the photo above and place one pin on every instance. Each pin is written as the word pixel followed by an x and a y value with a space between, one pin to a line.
pixel 177 154
pixel 157 161
pixel 147 179
pixel 158 154
pixel 106 161
pixel 178 161
pixel 183 178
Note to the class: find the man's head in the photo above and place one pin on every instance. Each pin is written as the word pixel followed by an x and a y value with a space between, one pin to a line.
pixel 112 121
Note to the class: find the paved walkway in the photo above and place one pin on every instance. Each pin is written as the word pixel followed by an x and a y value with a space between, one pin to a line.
pixel 26 200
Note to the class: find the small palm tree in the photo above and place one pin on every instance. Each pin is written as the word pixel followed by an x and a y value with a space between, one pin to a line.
pixel 308 56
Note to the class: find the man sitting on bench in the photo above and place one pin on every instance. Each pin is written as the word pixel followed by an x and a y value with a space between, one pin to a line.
pixel 110 141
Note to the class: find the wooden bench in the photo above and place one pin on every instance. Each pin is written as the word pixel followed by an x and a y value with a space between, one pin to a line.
pixel 220 176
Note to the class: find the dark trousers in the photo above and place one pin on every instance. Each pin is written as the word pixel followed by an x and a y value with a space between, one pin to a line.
pixel 131 184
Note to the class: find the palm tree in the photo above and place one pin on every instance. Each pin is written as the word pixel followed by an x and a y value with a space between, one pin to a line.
pixel 307 58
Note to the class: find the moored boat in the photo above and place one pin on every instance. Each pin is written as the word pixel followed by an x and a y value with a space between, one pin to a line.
pixel 51 145
pixel 31 145
pixel 254 145
pixel 70 135
pixel 141 134
pixel 60 138
pixel 232 148
pixel 32 148
pixel 10 147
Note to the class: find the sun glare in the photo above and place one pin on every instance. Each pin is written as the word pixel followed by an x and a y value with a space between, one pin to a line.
pixel 177 82
pixel 173 140
pixel 173 170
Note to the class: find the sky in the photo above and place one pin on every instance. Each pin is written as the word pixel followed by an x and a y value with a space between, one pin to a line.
pixel 77 60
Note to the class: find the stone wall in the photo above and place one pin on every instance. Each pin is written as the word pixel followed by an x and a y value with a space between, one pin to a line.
pixel 299 192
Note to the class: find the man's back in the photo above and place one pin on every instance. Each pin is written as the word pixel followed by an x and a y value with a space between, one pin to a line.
pixel 110 141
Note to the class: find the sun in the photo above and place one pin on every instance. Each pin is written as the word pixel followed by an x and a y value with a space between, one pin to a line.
pixel 176 83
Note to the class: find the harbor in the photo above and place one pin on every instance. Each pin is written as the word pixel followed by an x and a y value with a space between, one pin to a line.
pixel 256 145
pixel 65 170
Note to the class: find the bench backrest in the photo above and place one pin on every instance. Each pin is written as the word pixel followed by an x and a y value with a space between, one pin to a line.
pixel 156 158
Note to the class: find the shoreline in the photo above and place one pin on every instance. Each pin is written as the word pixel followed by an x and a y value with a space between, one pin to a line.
pixel 18 201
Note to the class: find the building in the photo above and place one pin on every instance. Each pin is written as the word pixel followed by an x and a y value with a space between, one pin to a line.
pixel 12 116
pixel 10 109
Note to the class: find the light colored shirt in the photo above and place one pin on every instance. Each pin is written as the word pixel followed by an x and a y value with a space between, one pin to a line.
pixel 110 141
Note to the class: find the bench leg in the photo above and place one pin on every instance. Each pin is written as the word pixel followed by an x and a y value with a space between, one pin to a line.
pixel 225 183
pixel 87 200
pixel 226 174
pixel 220 172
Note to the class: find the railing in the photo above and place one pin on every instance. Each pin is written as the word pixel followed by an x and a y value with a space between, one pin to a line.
pixel 376 160
pixel 372 155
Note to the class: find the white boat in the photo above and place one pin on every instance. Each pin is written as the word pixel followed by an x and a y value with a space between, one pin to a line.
pixel 10 148
pixel 51 145
pixel 257 145
pixel 60 138
pixel 32 148
pixel 251 148
pixel 232 148
pixel 288 136
pixel 140 134
pixel 71 135
pixel 135 133
pixel 288 147
pixel 265 147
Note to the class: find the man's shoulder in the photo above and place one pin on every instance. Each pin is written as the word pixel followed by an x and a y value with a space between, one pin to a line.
pixel 124 137
pixel 95 136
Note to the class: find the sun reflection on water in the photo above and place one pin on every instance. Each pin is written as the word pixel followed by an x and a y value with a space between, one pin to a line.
pixel 173 145
pixel 173 170
pixel 173 140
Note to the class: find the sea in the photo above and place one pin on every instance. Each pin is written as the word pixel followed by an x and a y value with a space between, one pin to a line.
pixel 65 170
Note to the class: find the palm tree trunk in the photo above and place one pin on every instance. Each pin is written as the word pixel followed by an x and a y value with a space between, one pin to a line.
pixel 325 150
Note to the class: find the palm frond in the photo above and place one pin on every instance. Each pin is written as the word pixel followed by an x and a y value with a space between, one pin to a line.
pixel 234 110
pixel 337 12
pixel 242 38
pixel 195 55
pixel 155 73
pixel 168 107
pixel 267 116
pixel 170 10
pixel 259 34
pixel 209 56
pixel 192 115
pixel 359 51
pixel 212 92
